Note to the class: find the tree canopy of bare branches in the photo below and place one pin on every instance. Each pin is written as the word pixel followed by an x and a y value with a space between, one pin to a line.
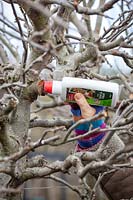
pixel 62 38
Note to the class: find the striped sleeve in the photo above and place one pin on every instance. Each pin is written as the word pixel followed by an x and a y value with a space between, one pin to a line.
pixel 93 139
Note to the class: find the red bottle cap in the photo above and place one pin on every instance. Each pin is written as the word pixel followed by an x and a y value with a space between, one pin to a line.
pixel 48 85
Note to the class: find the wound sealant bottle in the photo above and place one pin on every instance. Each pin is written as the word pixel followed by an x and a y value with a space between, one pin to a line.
pixel 100 93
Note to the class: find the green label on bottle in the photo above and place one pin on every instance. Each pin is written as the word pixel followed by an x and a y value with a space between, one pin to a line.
pixel 93 97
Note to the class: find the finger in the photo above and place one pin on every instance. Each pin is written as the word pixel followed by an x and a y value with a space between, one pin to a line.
pixel 86 110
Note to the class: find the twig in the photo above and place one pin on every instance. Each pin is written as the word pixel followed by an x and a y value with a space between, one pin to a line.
pixel 81 122
pixel 18 84
pixel 29 147
pixel 51 123
pixel 19 25
pixel 11 26
pixel 50 104
pixel 73 188
pixel 3 54
pixel 34 44
pixel 96 130
pixel 6 43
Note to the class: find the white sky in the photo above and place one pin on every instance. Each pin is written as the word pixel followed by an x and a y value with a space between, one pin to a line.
pixel 7 10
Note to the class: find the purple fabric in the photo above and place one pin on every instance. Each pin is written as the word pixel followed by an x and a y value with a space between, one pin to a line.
pixel 91 136
pixel 81 132
pixel 91 142
pixel 94 138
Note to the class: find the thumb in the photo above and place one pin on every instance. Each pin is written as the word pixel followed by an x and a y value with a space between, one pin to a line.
pixel 86 110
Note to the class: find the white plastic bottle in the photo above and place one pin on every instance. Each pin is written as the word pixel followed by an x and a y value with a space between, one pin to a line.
pixel 99 93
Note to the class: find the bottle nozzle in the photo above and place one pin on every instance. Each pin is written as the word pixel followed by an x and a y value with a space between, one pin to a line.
pixel 52 87
pixel 48 85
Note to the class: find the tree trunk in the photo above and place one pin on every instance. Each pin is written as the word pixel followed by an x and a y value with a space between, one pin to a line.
pixel 19 126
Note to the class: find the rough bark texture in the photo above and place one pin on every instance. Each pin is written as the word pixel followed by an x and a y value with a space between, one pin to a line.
pixel 51 44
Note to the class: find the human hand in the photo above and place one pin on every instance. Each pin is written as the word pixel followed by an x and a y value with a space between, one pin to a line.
pixel 86 110
pixel 82 110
